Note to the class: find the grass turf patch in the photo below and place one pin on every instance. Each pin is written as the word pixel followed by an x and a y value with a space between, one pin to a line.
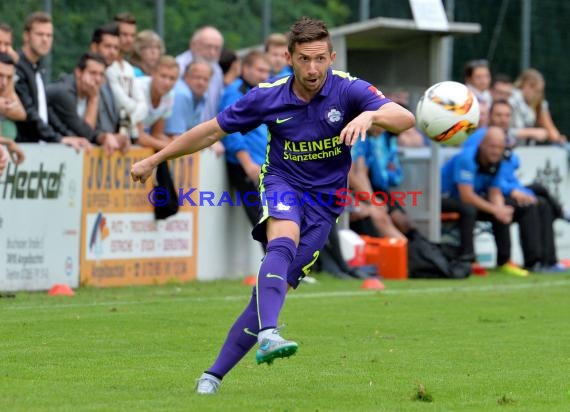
pixel 480 344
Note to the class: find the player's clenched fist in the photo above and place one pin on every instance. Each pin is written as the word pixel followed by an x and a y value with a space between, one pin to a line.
pixel 141 171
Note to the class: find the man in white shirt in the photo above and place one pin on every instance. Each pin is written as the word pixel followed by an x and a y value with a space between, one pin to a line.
pixel 121 77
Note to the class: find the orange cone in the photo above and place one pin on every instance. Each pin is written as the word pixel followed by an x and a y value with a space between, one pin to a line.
pixel 250 280
pixel 372 284
pixel 61 290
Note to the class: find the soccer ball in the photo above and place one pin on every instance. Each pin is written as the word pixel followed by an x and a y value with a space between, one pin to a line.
pixel 448 113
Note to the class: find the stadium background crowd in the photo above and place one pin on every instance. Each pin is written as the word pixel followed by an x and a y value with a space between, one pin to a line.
pixel 125 90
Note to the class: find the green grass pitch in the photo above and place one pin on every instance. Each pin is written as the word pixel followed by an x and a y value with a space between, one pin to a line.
pixel 484 344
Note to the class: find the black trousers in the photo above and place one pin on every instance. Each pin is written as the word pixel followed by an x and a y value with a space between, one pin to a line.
pixel 248 191
pixel 536 234
pixel 468 216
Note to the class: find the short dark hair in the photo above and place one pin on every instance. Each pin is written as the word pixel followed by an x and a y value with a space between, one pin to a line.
pixel 7 59
pixel 5 27
pixel 125 18
pixel 498 103
pixel 85 57
pixel 471 65
pixel 227 58
pixel 110 29
pixel 306 30
pixel 36 17
pixel 501 78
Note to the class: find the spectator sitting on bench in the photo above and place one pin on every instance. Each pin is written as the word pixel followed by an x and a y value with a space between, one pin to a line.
pixel 471 185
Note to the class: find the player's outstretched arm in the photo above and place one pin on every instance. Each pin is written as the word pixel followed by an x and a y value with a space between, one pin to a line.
pixel 390 116
pixel 199 137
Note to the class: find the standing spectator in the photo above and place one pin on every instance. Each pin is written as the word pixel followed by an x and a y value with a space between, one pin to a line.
pixel 127 25
pixel 38 39
pixel 231 66
pixel 158 90
pixel 189 100
pixel 530 109
pixel 147 49
pixel 105 41
pixel 72 96
pixel 206 44
pixel 245 153
pixel 276 50
pixel 6 41
pixel 121 77
pixel 477 77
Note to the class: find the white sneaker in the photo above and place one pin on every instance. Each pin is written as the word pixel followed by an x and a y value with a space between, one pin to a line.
pixel 207 384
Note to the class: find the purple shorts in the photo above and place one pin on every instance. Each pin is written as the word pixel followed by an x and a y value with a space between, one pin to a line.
pixel 315 214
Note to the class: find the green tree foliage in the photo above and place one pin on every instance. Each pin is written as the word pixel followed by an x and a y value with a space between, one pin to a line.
pixel 239 20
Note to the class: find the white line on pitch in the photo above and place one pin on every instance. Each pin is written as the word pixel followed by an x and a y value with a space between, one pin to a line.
pixel 313 295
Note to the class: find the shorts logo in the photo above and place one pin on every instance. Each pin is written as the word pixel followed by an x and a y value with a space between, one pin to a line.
pixel 282 207
pixel 279 121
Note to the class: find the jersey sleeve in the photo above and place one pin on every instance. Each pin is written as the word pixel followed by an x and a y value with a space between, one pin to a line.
pixel 243 115
pixel 363 96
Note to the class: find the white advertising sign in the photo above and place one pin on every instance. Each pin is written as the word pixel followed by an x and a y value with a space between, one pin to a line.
pixel 40 212
pixel 137 235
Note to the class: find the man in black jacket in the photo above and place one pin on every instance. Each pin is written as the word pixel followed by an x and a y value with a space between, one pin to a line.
pixel 30 87
pixel 73 102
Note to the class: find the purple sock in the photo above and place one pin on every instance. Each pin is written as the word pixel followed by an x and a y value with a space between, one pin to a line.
pixel 272 280
pixel 241 338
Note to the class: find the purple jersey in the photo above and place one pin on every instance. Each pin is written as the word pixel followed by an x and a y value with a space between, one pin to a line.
pixel 304 146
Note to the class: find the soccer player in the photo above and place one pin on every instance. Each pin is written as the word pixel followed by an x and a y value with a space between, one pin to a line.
pixel 313 117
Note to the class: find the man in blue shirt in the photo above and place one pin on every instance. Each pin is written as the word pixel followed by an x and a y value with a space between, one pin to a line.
pixel 376 168
pixel 189 101
pixel 313 118
pixel 471 184
pixel 245 153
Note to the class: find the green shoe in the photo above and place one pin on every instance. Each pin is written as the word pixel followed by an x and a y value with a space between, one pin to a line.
pixel 511 269
pixel 270 349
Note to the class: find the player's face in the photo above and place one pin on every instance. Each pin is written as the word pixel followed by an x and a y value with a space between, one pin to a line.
pixel 198 78
pixel 108 48
pixel 6 75
pixel 5 41
pixel 310 62
pixel 277 56
pixel 164 78
pixel 39 38
pixel 127 33
pixel 500 116
pixel 256 73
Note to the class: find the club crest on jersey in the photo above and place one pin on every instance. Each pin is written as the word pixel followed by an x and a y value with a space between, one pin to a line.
pixel 376 92
pixel 334 115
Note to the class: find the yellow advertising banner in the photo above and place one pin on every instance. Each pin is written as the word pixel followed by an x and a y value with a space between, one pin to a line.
pixel 121 241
